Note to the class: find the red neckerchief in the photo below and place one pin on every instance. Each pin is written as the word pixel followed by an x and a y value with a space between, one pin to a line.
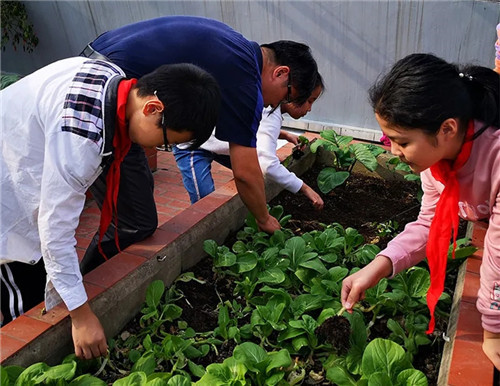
pixel 445 222
pixel 121 146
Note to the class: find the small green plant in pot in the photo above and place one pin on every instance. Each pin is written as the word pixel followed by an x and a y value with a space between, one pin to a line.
pixel 345 155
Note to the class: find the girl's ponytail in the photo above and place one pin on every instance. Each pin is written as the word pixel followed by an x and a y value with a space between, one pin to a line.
pixel 483 85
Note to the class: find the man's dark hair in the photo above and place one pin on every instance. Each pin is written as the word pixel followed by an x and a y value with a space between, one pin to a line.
pixel 190 95
pixel 303 67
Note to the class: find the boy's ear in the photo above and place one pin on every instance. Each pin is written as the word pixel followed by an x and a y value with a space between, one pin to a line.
pixel 152 106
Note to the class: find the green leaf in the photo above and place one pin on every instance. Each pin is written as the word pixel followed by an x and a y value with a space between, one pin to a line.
pixel 329 179
pixel 419 282
pixel 318 143
pixel 178 380
pixel 196 370
pixel 290 332
pixel 4 377
pixel 412 377
pixel 171 312
pixel 315 265
pixel 87 380
pixel 278 360
pixel 340 376
pixel 272 276
pixel 145 364
pixel 299 342
pixel 358 328
pixel 27 377
pixel 379 379
pixel 246 261
pixel 9 374
pixel 276 211
pixel 363 154
pixel 226 259
pixel 154 293
pixel 383 355
pixel 239 247
pixel 210 247
pixel 251 355
pixel 65 371
pixel 375 149
pixel 275 379
pixel 134 379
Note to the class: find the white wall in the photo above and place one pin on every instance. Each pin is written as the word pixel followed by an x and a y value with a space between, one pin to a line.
pixel 353 41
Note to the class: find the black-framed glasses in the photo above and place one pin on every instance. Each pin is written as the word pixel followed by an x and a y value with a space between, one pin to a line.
pixel 166 146
pixel 289 90
pixel 288 98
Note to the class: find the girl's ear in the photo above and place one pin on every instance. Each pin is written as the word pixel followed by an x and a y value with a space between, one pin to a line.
pixel 152 106
pixel 450 128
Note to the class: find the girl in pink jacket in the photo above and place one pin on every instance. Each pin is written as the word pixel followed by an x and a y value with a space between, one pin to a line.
pixel 443 121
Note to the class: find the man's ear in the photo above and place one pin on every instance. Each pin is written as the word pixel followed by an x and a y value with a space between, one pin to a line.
pixel 152 106
pixel 281 72
pixel 450 128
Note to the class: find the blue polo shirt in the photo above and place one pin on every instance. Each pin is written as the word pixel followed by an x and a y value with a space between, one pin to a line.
pixel 234 61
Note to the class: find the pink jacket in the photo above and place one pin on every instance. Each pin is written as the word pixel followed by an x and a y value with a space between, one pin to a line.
pixel 479 181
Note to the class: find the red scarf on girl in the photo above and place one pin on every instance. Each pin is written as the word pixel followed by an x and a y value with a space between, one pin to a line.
pixel 445 222
pixel 121 146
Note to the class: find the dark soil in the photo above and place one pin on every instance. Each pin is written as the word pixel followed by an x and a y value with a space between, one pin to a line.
pixel 336 331
pixel 361 203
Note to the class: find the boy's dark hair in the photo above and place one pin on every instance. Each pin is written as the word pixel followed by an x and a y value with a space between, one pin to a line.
pixel 422 91
pixel 303 67
pixel 190 95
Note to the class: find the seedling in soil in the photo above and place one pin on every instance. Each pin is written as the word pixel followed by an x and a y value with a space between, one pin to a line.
pixel 336 330
pixel 298 150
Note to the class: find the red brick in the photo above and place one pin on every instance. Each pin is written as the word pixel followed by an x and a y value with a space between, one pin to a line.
pixel 183 221
pixel 469 365
pixel 52 317
pixel 9 346
pixel 149 247
pixel 473 265
pixel 471 286
pixel 113 270
pixel 24 328
pixel 469 323
pixel 211 202
pixel 228 189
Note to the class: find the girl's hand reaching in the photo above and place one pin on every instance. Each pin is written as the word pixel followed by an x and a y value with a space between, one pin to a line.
pixel 355 285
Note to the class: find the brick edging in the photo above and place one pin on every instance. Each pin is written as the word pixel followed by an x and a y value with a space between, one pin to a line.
pixel 464 362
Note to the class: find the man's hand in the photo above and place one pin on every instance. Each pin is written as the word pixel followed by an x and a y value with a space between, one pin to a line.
pixel 250 184
pixel 270 225
pixel 88 334
pixel 491 347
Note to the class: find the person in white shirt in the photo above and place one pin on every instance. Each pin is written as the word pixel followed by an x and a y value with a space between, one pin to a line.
pixel 268 133
pixel 63 127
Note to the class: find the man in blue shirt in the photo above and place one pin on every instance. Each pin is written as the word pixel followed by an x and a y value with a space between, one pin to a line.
pixel 250 77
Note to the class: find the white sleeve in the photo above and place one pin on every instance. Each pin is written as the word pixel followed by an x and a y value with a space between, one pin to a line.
pixel 267 143
pixel 71 164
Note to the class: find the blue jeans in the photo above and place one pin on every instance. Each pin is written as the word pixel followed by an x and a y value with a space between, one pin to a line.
pixel 196 169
